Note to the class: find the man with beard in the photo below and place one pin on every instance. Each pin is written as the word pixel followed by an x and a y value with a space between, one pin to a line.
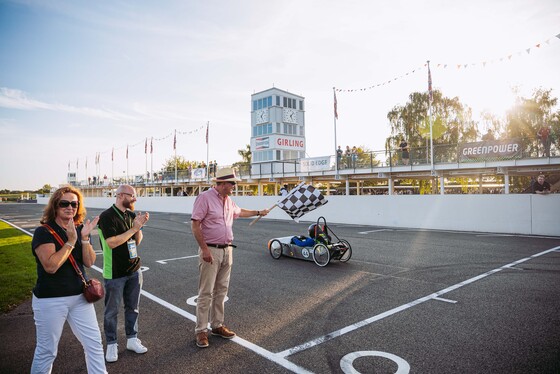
pixel 120 235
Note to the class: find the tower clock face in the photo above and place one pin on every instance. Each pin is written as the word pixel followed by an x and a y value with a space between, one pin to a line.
pixel 261 115
pixel 290 116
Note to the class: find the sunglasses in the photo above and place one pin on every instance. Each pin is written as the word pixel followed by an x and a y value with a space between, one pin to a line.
pixel 232 183
pixel 65 204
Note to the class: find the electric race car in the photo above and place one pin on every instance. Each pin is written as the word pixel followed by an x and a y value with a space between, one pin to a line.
pixel 318 247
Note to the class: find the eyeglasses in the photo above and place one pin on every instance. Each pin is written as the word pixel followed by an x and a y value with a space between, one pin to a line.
pixel 129 194
pixel 66 204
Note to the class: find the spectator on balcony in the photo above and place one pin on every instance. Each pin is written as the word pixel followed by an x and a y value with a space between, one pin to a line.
pixel 339 153
pixel 544 136
pixel 541 187
pixel 488 136
pixel 405 155
pixel 354 154
pixel 348 155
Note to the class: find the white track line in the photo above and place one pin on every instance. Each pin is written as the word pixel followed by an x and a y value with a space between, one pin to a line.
pixel 357 325
pixel 242 342
pixel 280 358
pixel 173 259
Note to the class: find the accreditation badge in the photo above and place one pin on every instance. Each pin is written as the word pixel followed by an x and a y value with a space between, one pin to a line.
pixel 132 253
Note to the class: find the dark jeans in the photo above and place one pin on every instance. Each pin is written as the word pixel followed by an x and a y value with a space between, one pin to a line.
pixel 127 289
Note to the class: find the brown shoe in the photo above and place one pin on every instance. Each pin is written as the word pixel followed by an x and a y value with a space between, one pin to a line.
pixel 202 339
pixel 223 331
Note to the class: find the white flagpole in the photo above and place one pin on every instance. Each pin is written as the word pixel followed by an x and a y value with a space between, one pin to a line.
pixel 337 166
pixel 152 158
pixel 430 117
pixel 146 156
pixel 208 151
pixel 127 164
pixel 175 149
pixel 112 165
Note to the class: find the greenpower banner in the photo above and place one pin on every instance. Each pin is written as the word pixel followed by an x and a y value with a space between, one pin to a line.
pixel 495 150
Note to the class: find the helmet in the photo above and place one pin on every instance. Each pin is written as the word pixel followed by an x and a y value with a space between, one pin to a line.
pixel 314 230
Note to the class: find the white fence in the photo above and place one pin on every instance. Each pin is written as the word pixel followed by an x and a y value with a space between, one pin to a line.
pixel 506 214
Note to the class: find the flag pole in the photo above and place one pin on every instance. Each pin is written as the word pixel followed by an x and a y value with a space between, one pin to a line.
pixel 152 158
pixel 127 164
pixel 259 217
pixel 112 165
pixel 430 116
pixel 208 153
pixel 337 166
pixel 175 152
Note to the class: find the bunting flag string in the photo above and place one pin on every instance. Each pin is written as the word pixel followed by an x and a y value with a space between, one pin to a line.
pixel 420 68
pixel 482 63
pixel 139 143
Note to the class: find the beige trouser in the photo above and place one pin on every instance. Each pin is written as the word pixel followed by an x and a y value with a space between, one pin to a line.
pixel 213 286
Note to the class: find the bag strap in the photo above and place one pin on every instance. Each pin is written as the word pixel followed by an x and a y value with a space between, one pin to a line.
pixel 71 258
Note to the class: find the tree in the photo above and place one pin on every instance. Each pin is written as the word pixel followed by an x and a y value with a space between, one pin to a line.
pixel 245 154
pixel 45 189
pixel 244 166
pixel 492 122
pixel 182 164
pixel 451 123
pixel 529 114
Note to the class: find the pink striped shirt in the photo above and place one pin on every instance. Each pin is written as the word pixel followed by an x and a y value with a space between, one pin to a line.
pixel 216 216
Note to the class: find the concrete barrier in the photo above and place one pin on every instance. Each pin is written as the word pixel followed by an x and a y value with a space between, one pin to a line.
pixel 506 214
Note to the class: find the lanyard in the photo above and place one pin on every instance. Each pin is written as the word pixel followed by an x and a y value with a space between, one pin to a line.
pixel 127 224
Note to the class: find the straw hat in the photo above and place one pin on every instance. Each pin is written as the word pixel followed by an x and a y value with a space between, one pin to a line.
pixel 226 175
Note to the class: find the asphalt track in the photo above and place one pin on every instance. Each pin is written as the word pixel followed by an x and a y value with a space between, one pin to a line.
pixel 408 301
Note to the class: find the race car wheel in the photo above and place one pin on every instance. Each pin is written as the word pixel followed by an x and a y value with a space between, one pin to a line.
pixel 275 248
pixel 321 254
pixel 346 256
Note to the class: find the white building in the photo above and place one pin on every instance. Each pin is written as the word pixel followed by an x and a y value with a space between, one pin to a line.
pixel 277 130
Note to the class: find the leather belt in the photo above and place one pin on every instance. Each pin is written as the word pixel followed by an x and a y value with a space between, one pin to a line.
pixel 221 246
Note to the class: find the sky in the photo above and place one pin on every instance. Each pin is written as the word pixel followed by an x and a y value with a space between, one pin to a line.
pixel 84 80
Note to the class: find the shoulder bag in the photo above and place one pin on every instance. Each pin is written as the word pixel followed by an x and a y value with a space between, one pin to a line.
pixel 93 289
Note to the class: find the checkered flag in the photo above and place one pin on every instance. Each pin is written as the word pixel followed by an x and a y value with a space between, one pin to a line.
pixel 302 199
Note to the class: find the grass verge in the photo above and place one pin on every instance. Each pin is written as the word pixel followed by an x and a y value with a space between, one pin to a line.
pixel 18 271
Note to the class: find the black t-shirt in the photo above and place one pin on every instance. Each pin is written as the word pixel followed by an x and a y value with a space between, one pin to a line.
pixel 65 281
pixel 404 148
pixel 113 222
pixel 541 187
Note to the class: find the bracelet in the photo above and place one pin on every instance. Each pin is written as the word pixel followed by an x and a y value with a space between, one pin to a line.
pixel 70 245
pixel 85 242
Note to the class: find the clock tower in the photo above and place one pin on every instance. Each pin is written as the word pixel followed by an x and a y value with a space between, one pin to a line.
pixel 277 129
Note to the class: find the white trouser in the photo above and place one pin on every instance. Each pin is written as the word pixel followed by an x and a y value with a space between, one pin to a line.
pixel 50 314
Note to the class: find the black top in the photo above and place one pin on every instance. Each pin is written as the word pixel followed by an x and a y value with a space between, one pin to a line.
pixel 65 281
pixel 113 222
pixel 541 187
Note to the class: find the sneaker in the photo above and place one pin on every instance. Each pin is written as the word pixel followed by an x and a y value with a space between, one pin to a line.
pixel 223 331
pixel 134 344
pixel 112 353
pixel 202 339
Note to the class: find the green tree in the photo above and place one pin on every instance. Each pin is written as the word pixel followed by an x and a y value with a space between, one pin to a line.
pixel 45 189
pixel 244 166
pixel 245 154
pixel 182 164
pixel 526 117
pixel 492 122
pixel 451 123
